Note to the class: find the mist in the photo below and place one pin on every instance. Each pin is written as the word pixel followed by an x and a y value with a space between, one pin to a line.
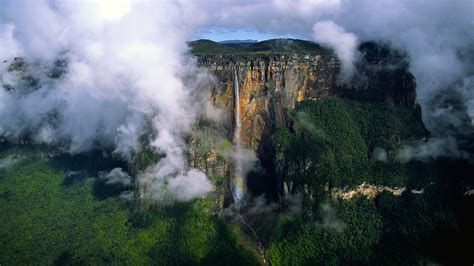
pixel 116 177
pixel 431 149
pixel 344 44
pixel 124 69
pixel 7 162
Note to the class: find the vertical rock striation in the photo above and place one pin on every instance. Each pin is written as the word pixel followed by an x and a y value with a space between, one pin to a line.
pixel 269 84
pixel 272 83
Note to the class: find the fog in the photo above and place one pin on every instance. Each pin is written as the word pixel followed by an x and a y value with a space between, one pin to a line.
pixel 124 80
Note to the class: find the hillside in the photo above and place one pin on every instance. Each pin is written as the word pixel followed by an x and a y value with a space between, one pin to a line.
pixel 273 46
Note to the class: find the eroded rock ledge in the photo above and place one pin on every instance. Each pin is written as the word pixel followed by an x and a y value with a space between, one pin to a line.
pixel 370 191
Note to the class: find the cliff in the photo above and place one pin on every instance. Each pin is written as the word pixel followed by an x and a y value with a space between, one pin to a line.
pixel 382 75
pixel 268 85
pixel 271 82
pixel 274 77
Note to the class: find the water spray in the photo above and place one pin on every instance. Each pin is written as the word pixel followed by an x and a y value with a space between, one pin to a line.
pixel 238 183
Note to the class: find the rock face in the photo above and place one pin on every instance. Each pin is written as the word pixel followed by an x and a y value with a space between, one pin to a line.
pixel 268 85
pixel 369 191
pixel 271 84
pixel 382 75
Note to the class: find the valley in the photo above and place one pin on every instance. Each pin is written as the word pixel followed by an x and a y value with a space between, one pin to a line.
pixel 305 169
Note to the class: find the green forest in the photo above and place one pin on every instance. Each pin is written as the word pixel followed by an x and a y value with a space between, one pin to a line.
pixel 55 211
pixel 329 144
pixel 237 132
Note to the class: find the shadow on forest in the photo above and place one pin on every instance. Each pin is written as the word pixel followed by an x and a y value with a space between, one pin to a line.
pixel 88 165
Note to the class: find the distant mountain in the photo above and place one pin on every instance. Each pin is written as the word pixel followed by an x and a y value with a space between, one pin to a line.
pixel 238 41
pixel 210 47
pixel 201 47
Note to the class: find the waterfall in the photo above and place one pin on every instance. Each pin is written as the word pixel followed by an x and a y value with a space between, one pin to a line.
pixel 238 181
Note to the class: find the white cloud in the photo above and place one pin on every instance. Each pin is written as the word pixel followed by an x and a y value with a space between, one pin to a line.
pixel 192 185
pixel 380 154
pixel 7 162
pixel 10 47
pixel 126 61
pixel 431 149
pixel 344 43
pixel 116 177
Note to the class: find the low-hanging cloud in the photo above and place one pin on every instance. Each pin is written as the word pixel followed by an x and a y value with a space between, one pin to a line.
pixel 122 78
pixel 7 162
pixel 246 157
pixel 9 46
pixel 431 149
pixel 344 43
pixel 379 154
pixel 329 220
pixel 116 177
pixel 157 185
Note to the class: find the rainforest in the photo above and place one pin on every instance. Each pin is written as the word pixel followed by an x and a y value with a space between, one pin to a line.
pixel 132 133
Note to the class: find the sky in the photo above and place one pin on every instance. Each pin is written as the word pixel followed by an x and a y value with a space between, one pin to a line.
pixel 223 33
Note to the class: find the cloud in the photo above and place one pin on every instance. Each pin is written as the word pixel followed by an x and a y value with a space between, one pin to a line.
pixel 329 219
pixel 431 149
pixel 469 192
pixel 116 177
pixel 304 120
pixel 257 209
pixel 156 184
pixel 247 158
pixel 192 185
pixel 344 43
pixel 379 154
pixel 7 162
pixel 123 77
pixel 9 45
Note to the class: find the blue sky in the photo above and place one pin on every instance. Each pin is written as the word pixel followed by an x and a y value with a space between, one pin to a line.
pixel 222 34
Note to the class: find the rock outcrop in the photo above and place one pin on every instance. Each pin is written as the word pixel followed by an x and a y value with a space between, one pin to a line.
pixel 382 75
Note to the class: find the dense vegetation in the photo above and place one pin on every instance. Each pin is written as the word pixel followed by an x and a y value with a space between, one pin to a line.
pixel 346 234
pixel 334 141
pixel 53 211
pixel 330 144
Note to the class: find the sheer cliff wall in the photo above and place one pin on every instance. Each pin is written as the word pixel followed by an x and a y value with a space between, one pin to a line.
pixel 269 85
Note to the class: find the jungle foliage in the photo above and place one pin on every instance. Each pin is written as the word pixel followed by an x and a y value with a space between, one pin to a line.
pixel 53 211
pixel 330 144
